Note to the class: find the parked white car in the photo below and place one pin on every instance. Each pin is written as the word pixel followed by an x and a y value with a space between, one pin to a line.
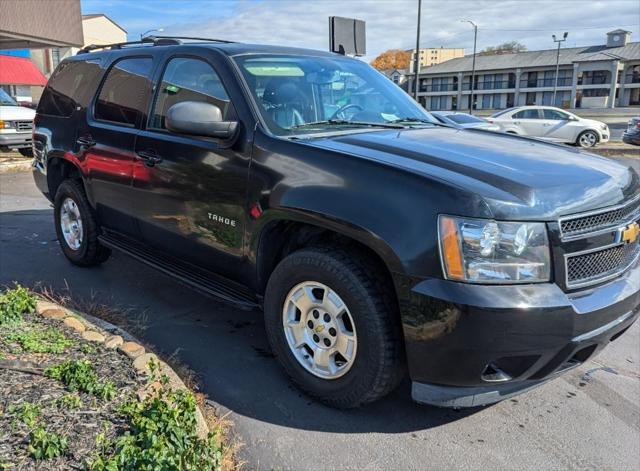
pixel 553 124
pixel 16 123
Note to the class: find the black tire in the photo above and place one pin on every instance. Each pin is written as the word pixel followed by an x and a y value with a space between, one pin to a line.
pixel 90 252
pixel 27 152
pixel 379 364
pixel 579 140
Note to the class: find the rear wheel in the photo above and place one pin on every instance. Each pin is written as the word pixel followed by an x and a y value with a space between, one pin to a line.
pixel 587 139
pixel 76 226
pixel 333 328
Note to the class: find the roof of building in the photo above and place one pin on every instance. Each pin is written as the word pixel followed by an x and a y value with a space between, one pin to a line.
pixel 20 71
pixel 536 58
pixel 97 15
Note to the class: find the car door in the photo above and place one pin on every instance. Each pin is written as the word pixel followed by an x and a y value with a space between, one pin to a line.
pixel 191 190
pixel 528 122
pixel 557 126
pixel 108 138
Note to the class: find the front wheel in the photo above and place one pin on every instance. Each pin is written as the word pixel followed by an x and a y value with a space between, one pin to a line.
pixel 587 139
pixel 26 152
pixel 333 328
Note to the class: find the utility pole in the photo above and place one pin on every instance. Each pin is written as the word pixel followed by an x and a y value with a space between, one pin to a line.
pixel 555 83
pixel 416 67
pixel 473 64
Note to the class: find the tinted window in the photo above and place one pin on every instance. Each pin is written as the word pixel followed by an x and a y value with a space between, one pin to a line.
pixel 124 93
pixel 71 85
pixel 526 114
pixel 186 79
pixel 554 114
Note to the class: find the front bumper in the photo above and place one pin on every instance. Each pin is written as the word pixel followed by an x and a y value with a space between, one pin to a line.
pixel 16 140
pixel 470 345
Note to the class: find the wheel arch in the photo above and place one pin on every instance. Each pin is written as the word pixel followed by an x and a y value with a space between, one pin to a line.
pixel 287 231
pixel 60 168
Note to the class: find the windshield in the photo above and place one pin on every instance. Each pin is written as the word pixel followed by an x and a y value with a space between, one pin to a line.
pixel 306 94
pixel 462 118
pixel 6 100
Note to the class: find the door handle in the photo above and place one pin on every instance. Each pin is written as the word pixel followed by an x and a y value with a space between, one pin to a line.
pixel 86 142
pixel 150 157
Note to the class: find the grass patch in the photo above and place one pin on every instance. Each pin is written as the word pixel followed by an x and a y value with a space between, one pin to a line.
pixel 78 375
pixel 27 413
pixel 69 402
pixel 14 303
pixel 38 339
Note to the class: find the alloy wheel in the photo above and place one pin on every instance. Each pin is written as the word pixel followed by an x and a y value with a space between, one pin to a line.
pixel 71 223
pixel 319 330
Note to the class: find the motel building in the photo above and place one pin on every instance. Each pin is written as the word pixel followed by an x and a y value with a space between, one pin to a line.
pixel 603 76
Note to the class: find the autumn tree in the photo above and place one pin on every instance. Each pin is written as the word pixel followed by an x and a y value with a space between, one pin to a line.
pixel 392 59
pixel 509 47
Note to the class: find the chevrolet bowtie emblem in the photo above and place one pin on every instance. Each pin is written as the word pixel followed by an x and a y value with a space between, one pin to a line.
pixel 630 233
pixel 319 328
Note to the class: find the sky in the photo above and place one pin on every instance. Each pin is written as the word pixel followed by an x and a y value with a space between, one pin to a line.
pixel 390 24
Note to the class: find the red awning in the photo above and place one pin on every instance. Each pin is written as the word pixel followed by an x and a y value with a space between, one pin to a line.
pixel 19 71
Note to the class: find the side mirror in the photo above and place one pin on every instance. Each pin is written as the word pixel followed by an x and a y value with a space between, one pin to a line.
pixel 198 118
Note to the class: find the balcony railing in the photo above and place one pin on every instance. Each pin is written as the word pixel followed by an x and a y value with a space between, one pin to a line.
pixel 495 85
pixel 439 87
pixel 545 82
pixel 632 78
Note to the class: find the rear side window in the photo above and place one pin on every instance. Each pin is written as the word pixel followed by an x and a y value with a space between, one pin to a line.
pixel 526 114
pixel 70 86
pixel 188 79
pixel 124 93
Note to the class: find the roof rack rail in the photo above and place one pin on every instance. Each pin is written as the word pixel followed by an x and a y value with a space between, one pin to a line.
pixel 153 40
pixel 148 40
pixel 190 38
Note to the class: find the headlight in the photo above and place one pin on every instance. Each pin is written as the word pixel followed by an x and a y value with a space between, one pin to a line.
pixel 486 251
pixel 6 124
pixel 604 127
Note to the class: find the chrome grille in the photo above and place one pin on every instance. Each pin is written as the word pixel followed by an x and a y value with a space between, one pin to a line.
pixel 600 265
pixel 24 125
pixel 598 221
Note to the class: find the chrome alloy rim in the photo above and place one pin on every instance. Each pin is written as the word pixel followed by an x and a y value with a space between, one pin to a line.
pixel 71 223
pixel 588 139
pixel 320 330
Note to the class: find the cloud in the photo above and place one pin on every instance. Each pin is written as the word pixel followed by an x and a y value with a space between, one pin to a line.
pixel 391 23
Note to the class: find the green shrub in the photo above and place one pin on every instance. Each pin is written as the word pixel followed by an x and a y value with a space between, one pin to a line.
pixel 69 402
pixel 27 413
pixel 44 445
pixel 14 303
pixel 37 339
pixel 161 435
pixel 78 375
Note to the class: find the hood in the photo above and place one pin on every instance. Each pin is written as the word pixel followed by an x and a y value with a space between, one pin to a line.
pixel 16 113
pixel 519 178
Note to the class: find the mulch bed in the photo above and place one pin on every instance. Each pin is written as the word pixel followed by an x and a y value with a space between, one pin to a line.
pixel 22 381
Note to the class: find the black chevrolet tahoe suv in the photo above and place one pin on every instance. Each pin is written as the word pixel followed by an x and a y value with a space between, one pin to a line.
pixel 376 240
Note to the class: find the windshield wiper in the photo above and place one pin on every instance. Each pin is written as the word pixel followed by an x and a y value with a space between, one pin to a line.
pixel 412 120
pixel 334 122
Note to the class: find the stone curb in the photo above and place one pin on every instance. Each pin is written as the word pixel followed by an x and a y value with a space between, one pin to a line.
pixel 15 166
pixel 97 330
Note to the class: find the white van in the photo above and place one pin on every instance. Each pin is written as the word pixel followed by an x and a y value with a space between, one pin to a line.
pixel 16 124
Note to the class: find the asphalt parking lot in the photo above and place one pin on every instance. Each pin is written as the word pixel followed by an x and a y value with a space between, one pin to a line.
pixel 587 419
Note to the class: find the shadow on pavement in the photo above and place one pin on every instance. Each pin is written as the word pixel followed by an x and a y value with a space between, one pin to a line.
pixel 227 348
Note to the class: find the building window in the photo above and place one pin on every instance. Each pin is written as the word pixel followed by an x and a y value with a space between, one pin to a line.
pixel 595 92
pixel 55 57
pixel 486 102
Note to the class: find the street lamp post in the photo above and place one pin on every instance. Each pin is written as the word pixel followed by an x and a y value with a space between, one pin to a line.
pixel 555 82
pixel 159 30
pixel 416 67
pixel 473 64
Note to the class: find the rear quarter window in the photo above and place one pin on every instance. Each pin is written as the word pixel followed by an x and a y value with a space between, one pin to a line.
pixel 71 85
